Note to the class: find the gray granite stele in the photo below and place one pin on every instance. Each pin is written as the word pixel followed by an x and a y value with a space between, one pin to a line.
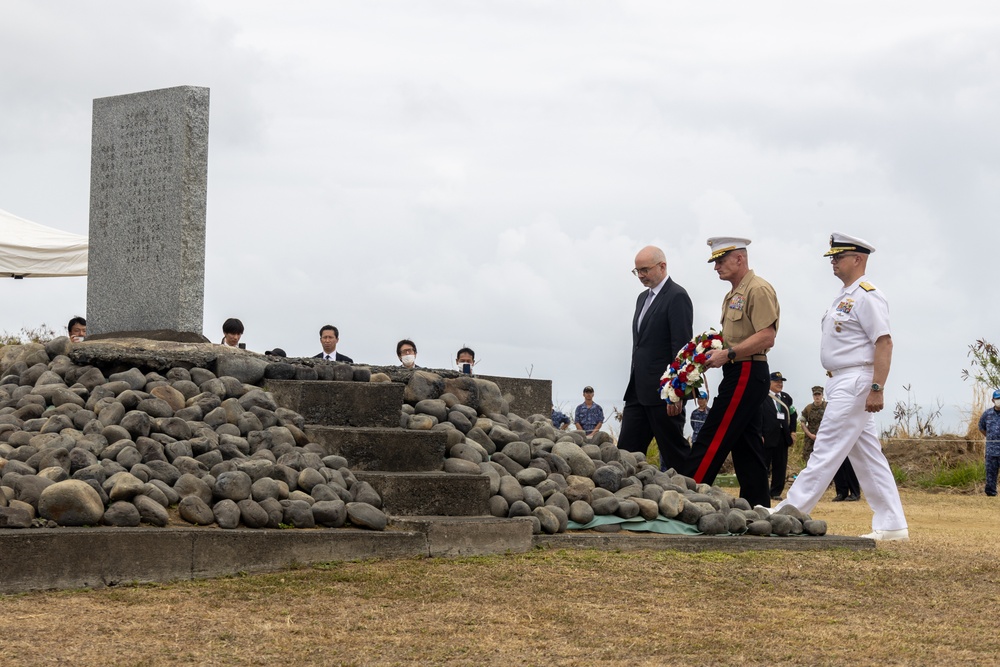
pixel 148 190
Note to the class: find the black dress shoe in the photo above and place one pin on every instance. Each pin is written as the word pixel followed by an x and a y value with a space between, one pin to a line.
pixel 839 498
pixel 853 497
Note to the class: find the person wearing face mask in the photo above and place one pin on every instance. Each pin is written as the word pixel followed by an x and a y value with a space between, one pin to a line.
pixel 465 360
pixel 406 350
pixel 77 328
pixel 989 425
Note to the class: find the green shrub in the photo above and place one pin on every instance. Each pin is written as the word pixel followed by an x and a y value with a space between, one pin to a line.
pixel 963 476
pixel 900 475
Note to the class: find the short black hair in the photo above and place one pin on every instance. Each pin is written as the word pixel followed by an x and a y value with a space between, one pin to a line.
pixel 405 341
pixel 232 326
pixel 330 327
pixel 76 320
pixel 466 349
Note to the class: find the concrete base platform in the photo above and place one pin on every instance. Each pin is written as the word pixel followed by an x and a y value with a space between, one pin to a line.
pixel 66 558
pixel 333 403
pixel 628 541
pixel 450 536
pixel 38 559
pixel 385 449
pixel 430 493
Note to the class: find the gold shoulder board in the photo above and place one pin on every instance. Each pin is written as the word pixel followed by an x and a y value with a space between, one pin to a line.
pixel 868 287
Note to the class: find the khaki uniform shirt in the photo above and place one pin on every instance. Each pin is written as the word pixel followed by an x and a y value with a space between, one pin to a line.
pixel 747 309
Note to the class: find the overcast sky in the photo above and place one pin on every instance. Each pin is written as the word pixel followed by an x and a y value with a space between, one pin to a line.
pixel 483 173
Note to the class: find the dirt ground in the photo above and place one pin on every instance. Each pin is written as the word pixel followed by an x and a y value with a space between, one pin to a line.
pixel 932 600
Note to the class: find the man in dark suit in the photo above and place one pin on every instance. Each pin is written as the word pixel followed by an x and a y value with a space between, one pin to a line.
pixel 776 429
pixel 661 326
pixel 329 335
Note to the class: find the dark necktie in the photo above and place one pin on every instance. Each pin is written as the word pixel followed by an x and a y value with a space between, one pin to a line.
pixel 645 307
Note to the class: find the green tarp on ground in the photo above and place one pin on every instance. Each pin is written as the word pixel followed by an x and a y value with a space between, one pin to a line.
pixel 661 525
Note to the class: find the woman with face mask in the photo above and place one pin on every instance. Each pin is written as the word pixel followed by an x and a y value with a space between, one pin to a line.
pixel 406 350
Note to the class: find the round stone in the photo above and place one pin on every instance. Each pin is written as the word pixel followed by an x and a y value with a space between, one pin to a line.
pixel 252 514
pixel 151 511
pixel 234 485
pixel 366 516
pixel 227 513
pixel 531 476
pixel 548 521
pixel 498 506
pixel 607 506
pixel 713 523
pixel 461 466
pixel 122 514
pixel 71 503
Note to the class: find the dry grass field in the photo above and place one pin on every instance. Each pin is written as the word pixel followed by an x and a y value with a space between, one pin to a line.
pixel 932 600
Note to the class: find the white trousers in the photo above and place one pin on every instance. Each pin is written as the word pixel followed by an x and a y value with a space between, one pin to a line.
pixel 847 431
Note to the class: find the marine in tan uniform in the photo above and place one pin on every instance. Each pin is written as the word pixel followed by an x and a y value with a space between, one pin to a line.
pixel 750 315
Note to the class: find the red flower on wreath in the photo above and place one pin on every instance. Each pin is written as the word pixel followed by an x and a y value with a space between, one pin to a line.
pixel 686 372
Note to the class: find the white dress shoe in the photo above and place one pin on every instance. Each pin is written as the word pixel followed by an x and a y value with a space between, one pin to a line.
pixel 901 535
pixel 766 509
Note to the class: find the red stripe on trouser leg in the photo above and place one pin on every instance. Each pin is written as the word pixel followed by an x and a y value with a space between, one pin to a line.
pixel 727 418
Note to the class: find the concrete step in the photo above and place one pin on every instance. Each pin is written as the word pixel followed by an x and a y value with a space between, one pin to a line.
pixel 434 493
pixel 450 536
pixel 332 403
pixel 385 449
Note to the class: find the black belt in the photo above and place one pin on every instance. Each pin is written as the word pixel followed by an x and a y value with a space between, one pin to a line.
pixel 753 357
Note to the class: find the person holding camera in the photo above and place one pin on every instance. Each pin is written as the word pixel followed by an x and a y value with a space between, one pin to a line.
pixel 465 360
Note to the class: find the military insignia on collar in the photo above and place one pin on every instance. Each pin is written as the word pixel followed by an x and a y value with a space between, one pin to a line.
pixel 736 303
pixel 845 306
pixel 867 286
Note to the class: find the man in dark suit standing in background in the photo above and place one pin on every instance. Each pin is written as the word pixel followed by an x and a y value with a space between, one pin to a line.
pixel 776 429
pixel 329 336
pixel 661 326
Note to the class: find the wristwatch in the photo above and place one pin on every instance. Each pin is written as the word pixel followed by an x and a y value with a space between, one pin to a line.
pixel 876 386
pixel 731 355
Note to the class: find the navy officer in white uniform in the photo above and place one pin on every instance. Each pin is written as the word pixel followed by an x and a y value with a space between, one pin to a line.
pixel 856 351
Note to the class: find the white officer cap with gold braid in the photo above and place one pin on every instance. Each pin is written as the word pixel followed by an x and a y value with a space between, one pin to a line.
pixel 721 245
pixel 843 243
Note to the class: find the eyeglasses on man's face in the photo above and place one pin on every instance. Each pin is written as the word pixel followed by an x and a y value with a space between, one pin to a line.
pixel 641 271
pixel 839 256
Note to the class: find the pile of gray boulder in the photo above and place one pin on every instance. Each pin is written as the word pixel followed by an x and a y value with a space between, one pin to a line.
pixel 78 448
pixel 557 477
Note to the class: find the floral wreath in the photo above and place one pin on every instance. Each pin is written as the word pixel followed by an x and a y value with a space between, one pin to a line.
pixel 685 373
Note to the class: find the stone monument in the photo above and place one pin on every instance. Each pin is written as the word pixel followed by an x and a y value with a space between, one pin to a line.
pixel 148 186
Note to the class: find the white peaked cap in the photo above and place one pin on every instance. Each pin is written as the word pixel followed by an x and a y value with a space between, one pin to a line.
pixel 725 244
pixel 840 242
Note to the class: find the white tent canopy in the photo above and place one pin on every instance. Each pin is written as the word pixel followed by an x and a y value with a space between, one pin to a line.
pixel 28 249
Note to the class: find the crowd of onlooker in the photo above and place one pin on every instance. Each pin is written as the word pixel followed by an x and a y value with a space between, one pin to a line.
pixel 329 336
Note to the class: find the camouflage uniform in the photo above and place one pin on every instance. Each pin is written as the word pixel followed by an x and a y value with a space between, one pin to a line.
pixel 813 415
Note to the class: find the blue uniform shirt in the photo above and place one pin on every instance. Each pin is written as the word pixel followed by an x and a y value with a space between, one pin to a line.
pixel 590 417
pixel 697 421
pixel 559 418
pixel 990 422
